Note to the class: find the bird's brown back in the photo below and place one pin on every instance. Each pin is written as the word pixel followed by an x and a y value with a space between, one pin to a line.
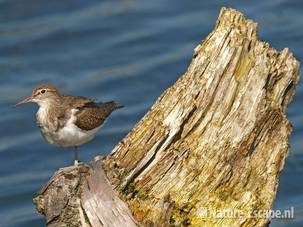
pixel 89 114
pixel 92 115
pixel 62 108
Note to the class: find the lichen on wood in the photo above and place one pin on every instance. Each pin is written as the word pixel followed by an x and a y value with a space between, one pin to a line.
pixel 215 141
pixel 218 138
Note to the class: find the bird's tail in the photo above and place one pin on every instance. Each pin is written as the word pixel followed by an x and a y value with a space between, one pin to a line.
pixel 111 105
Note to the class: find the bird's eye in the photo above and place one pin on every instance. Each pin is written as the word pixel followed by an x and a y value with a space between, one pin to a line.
pixel 43 91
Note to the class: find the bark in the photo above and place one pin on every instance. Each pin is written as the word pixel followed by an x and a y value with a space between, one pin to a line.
pixel 215 141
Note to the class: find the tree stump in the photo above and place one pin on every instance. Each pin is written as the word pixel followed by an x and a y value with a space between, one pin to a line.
pixel 216 140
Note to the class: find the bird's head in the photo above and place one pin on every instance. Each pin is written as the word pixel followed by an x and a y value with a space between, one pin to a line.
pixel 41 94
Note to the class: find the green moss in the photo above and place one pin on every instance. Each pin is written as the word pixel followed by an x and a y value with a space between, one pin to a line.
pixel 243 67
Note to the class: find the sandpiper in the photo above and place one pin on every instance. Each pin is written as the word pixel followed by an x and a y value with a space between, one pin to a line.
pixel 68 121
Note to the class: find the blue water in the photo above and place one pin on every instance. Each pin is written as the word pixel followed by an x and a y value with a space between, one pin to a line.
pixel 129 51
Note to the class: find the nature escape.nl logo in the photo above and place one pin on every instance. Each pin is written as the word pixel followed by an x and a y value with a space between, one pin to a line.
pixel 235 213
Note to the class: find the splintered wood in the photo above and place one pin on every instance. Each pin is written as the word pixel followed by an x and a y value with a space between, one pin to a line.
pixel 217 139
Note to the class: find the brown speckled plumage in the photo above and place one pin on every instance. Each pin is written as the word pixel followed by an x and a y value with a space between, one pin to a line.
pixel 89 114
pixel 93 114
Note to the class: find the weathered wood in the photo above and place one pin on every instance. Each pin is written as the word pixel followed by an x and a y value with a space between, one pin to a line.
pixel 100 203
pixel 59 200
pixel 216 140
pixel 82 196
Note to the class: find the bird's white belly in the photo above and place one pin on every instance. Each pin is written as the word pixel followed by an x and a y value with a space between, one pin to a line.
pixel 69 136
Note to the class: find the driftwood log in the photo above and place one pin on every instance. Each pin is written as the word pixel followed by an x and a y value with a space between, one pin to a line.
pixel 216 140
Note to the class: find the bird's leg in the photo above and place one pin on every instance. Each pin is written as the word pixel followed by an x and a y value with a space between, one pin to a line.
pixel 76 162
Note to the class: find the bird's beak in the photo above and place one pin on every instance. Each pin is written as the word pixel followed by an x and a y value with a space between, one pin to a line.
pixel 27 100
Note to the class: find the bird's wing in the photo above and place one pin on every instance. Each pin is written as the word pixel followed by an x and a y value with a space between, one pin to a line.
pixel 68 103
pixel 75 102
pixel 92 115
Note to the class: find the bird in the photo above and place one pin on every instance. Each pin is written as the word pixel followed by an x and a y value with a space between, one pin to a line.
pixel 68 121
